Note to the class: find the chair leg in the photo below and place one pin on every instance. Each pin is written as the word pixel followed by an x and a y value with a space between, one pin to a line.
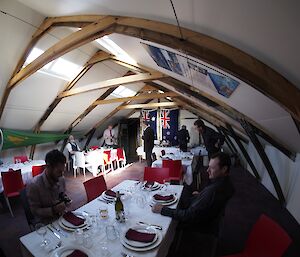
pixel 9 207
pixel 75 172
pixel 84 173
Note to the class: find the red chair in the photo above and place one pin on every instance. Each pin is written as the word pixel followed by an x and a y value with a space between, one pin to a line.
pixel 121 157
pixel 107 160
pixel 20 159
pixel 94 187
pixel 36 170
pixel 12 185
pixel 175 168
pixel 94 147
pixel 266 238
pixel 159 175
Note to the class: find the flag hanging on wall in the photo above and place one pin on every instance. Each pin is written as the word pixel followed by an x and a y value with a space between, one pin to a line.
pixel 151 116
pixel 169 124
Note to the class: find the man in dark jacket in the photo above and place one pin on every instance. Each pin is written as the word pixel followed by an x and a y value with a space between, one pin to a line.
pixel 183 137
pixel 203 208
pixel 212 139
pixel 148 137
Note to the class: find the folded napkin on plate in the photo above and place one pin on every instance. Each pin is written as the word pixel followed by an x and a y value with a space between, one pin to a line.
pixel 110 193
pixel 149 184
pixel 158 197
pixel 77 253
pixel 73 219
pixel 134 235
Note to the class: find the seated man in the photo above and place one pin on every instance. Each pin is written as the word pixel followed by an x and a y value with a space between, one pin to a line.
pixel 46 193
pixel 201 209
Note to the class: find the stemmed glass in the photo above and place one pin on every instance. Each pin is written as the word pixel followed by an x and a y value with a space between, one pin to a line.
pixel 41 230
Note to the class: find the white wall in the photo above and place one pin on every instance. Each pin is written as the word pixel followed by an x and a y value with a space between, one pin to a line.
pixel 287 173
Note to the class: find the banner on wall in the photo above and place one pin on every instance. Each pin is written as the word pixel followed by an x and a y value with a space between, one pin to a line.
pixel 17 138
pixel 151 116
pixel 169 124
pixel 199 73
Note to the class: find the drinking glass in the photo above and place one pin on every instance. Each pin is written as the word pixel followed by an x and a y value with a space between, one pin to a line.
pixel 111 233
pixel 41 230
pixel 78 236
pixel 104 248
pixel 88 239
pixel 140 201
pixel 103 212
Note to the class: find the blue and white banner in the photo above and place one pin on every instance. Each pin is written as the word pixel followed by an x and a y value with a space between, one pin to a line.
pixel 169 124
pixel 151 116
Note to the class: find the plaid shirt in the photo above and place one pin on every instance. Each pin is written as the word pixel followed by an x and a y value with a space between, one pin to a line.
pixel 42 196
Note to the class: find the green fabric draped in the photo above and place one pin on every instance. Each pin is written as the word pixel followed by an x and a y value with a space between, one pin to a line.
pixel 17 138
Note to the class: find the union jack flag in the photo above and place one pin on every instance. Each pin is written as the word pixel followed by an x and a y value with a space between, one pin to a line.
pixel 165 119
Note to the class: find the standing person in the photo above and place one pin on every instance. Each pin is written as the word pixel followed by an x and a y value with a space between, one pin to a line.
pixel 46 192
pixel 109 137
pixel 183 138
pixel 72 147
pixel 148 137
pixel 212 139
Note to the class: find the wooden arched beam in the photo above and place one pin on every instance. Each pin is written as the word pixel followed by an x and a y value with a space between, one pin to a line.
pixel 208 49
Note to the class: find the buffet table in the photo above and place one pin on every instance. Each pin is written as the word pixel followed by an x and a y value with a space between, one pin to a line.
pixel 98 239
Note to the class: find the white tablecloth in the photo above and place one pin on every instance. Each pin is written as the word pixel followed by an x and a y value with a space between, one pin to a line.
pixel 157 150
pixel 30 242
pixel 196 151
pixel 186 165
pixel 26 169
pixel 95 158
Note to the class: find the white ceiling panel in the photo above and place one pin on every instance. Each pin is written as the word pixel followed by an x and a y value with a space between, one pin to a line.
pixel 100 72
pixel 95 116
pixel 58 122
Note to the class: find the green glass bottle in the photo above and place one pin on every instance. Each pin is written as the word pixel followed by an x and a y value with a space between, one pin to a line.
pixel 119 208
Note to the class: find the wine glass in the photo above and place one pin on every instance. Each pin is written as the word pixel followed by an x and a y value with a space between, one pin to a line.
pixel 41 230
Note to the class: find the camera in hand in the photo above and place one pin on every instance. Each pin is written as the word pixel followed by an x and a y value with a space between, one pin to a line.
pixel 64 198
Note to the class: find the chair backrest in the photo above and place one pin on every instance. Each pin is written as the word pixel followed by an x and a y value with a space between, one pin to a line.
pixel 94 147
pixel 26 207
pixel 106 156
pixel 79 160
pixel 120 153
pixel 267 238
pixel 174 166
pixel 12 182
pixel 156 174
pixel 36 170
pixel 94 187
pixel 21 159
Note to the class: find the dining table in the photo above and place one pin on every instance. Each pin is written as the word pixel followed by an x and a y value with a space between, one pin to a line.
pixel 186 161
pixel 137 201
pixel 25 167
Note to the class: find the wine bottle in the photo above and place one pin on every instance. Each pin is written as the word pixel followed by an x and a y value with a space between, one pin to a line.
pixel 119 208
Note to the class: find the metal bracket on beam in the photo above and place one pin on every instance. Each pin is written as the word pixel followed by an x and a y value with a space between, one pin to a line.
pixel 260 149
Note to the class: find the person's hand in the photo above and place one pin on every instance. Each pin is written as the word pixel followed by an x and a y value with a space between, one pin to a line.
pixel 217 145
pixel 59 208
pixel 156 208
pixel 195 193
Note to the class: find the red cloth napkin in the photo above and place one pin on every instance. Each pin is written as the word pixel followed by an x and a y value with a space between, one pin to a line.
pixel 110 193
pixel 77 253
pixel 73 219
pixel 149 184
pixel 158 197
pixel 134 235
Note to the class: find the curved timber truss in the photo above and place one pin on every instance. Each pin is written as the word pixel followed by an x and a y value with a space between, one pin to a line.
pixel 205 48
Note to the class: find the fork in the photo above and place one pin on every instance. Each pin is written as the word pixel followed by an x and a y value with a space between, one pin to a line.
pixel 57 246
pixel 59 230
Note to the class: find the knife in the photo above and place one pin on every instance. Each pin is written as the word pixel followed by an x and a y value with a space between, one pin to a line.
pixel 150 225
pixel 57 235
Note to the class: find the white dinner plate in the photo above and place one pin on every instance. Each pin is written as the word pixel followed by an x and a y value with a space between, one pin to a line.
pixel 161 201
pixel 166 203
pixel 155 186
pixel 107 197
pixel 143 229
pixel 70 227
pixel 66 250
pixel 143 249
